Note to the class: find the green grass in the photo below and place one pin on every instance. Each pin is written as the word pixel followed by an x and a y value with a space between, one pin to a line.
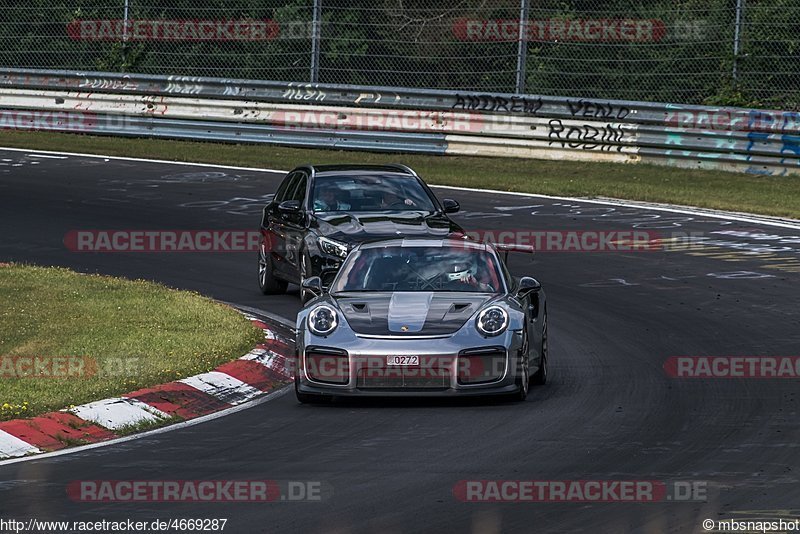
pixel 144 426
pixel 768 195
pixel 130 334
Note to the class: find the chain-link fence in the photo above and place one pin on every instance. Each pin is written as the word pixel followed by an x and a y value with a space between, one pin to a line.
pixel 739 52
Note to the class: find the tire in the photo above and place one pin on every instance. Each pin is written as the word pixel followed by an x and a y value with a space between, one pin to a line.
pixel 267 283
pixel 540 377
pixel 524 378
pixel 305 272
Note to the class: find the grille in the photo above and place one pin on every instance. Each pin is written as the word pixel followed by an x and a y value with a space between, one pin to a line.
pixel 331 366
pixel 403 377
pixel 479 366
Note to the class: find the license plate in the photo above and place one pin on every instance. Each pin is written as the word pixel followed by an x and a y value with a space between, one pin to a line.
pixel 402 360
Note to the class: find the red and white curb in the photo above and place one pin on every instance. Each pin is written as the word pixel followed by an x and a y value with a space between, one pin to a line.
pixel 264 369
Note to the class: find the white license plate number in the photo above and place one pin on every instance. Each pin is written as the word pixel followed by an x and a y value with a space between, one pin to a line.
pixel 402 360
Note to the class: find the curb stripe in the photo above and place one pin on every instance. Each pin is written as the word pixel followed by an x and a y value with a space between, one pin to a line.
pixel 55 430
pixel 222 386
pixel 265 369
pixel 179 399
pixel 278 346
pixel 29 433
pixel 11 446
pixel 118 412
pixel 251 373
pixel 277 363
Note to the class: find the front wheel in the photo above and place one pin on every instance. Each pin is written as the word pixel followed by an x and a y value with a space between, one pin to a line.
pixel 267 283
pixel 305 272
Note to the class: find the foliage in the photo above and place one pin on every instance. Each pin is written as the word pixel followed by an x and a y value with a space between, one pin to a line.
pixel 414 43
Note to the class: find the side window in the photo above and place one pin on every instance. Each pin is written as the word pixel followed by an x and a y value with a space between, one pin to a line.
pixel 299 192
pixel 285 187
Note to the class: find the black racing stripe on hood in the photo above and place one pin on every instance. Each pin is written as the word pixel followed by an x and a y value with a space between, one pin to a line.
pixel 443 312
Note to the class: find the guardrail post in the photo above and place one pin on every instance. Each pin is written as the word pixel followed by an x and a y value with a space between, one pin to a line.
pixel 737 40
pixel 315 40
pixel 522 46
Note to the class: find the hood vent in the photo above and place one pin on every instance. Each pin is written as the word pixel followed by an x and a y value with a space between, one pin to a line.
pixel 410 313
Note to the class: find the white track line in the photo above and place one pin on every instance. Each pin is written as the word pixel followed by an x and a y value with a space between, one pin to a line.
pixel 143 160
pixel 45 156
pixel 685 210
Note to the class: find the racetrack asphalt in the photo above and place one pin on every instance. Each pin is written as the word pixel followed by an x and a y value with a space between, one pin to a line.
pixel 610 412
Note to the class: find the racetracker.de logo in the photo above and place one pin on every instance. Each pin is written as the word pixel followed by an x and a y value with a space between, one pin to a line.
pixel 47 367
pixel 173 30
pixel 572 240
pixel 733 367
pixel 162 240
pixel 559 30
pixel 206 491
pixel 73 121
pixel 580 491
pixel 467 369
pixel 387 120
pixel 72 367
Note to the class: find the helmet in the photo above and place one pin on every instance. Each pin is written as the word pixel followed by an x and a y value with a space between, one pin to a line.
pixel 460 269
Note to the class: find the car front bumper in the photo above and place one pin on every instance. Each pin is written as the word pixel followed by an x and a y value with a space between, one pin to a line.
pixel 445 368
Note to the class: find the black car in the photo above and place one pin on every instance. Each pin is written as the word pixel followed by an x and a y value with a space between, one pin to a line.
pixel 320 212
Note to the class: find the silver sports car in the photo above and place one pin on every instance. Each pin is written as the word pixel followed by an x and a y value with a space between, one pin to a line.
pixel 422 317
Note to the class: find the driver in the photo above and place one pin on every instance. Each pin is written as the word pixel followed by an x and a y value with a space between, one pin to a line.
pixel 327 200
pixel 390 199
pixel 465 271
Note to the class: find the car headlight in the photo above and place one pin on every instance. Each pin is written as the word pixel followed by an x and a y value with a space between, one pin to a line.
pixel 322 320
pixel 492 321
pixel 334 248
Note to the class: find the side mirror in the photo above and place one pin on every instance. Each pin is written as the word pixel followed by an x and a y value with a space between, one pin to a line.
pixel 289 207
pixel 313 284
pixel 526 286
pixel 450 205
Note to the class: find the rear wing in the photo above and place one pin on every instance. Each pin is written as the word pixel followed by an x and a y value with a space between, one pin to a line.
pixel 505 248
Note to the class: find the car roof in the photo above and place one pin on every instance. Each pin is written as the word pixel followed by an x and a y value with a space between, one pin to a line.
pixel 333 170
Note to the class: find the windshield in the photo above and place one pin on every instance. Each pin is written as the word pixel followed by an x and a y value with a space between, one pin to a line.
pixel 423 268
pixel 370 193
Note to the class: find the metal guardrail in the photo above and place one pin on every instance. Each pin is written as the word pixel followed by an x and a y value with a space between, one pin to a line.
pixel 402 120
